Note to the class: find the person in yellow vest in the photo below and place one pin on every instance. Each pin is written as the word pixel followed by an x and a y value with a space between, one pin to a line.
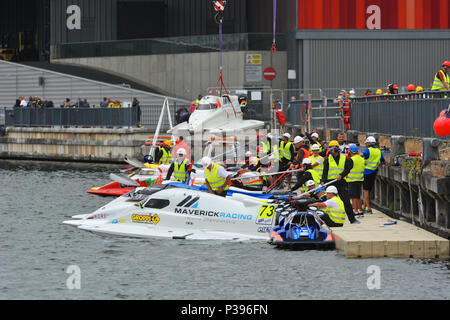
pixel 181 167
pixel 163 154
pixel 355 180
pixel 305 175
pixel 217 178
pixel 334 209
pixel 316 160
pixel 337 166
pixel 442 78
pixel 373 157
pixel 287 155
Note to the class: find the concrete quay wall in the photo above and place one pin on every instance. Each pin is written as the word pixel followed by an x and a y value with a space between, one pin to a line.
pixel 73 144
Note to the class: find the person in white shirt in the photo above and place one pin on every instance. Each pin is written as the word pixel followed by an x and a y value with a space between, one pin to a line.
pixel 24 103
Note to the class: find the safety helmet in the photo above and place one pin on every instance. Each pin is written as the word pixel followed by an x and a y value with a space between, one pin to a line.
pixel 370 139
pixel 253 160
pixel 310 183
pixel 446 64
pixel 270 136
pixel 331 189
pixel 298 139
pixel 419 89
pixel 353 148
pixel 181 151
pixel 315 147
pixel 411 87
pixel 248 154
pixel 206 161
pixel 287 135
pixel 394 86
pixel 333 143
pixel 352 91
pixel 315 134
pixel 168 143
pixel 379 91
pixel 307 161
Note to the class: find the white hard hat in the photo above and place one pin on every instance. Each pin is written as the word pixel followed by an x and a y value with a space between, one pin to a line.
pixel 253 160
pixel 307 161
pixel 270 135
pixel 331 189
pixel 181 151
pixel 287 135
pixel 315 134
pixel 206 161
pixel 352 91
pixel 315 147
pixel 310 183
pixel 370 139
pixel 298 139
pixel 248 154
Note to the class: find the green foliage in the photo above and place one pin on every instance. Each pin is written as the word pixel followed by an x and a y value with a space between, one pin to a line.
pixel 413 165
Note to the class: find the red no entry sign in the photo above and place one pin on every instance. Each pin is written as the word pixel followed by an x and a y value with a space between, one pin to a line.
pixel 269 73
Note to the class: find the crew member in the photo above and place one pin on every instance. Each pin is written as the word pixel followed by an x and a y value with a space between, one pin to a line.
pixel 373 157
pixel 442 78
pixel 306 174
pixel 336 167
pixel 314 140
pixel 317 160
pixel 301 151
pixel 355 180
pixel 181 167
pixel 163 154
pixel 334 208
pixel 287 154
pixel 318 194
pixel 217 178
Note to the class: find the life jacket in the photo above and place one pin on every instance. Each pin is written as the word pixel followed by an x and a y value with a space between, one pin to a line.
pixel 166 157
pixel 357 172
pixel 336 215
pixel 214 180
pixel 319 168
pixel 335 169
pixel 437 84
pixel 179 171
pixel 285 151
pixel 373 161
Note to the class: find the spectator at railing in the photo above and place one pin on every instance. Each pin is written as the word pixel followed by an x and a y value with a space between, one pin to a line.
pixel 66 103
pixel 135 104
pixel 104 103
pixel 368 93
pixel 82 103
pixel 23 102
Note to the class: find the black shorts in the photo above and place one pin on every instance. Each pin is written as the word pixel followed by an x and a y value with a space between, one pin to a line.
pixel 354 189
pixel 369 181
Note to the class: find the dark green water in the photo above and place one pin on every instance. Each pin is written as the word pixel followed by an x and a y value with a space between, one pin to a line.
pixel 36 250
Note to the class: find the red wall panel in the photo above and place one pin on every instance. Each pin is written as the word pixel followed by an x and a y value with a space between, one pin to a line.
pixel 395 14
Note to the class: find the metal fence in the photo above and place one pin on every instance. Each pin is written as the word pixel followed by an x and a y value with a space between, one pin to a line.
pixel 409 114
pixel 78 117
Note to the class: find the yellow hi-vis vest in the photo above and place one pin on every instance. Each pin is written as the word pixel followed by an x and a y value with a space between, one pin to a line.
pixel 319 168
pixel 314 175
pixel 285 151
pixel 338 215
pixel 437 84
pixel 357 172
pixel 275 153
pixel 265 147
pixel 373 161
pixel 179 171
pixel 214 180
pixel 166 156
pixel 334 169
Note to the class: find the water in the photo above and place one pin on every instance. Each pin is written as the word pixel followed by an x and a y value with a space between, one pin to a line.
pixel 36 250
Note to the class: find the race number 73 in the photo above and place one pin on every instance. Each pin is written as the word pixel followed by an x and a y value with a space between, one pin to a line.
pixel 267 211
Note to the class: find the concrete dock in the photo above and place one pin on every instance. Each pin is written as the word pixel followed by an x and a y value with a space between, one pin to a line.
pixel 373 239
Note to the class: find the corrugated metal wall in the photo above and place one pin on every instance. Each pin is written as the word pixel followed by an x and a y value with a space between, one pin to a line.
pixel 371 63
pixel 19 80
